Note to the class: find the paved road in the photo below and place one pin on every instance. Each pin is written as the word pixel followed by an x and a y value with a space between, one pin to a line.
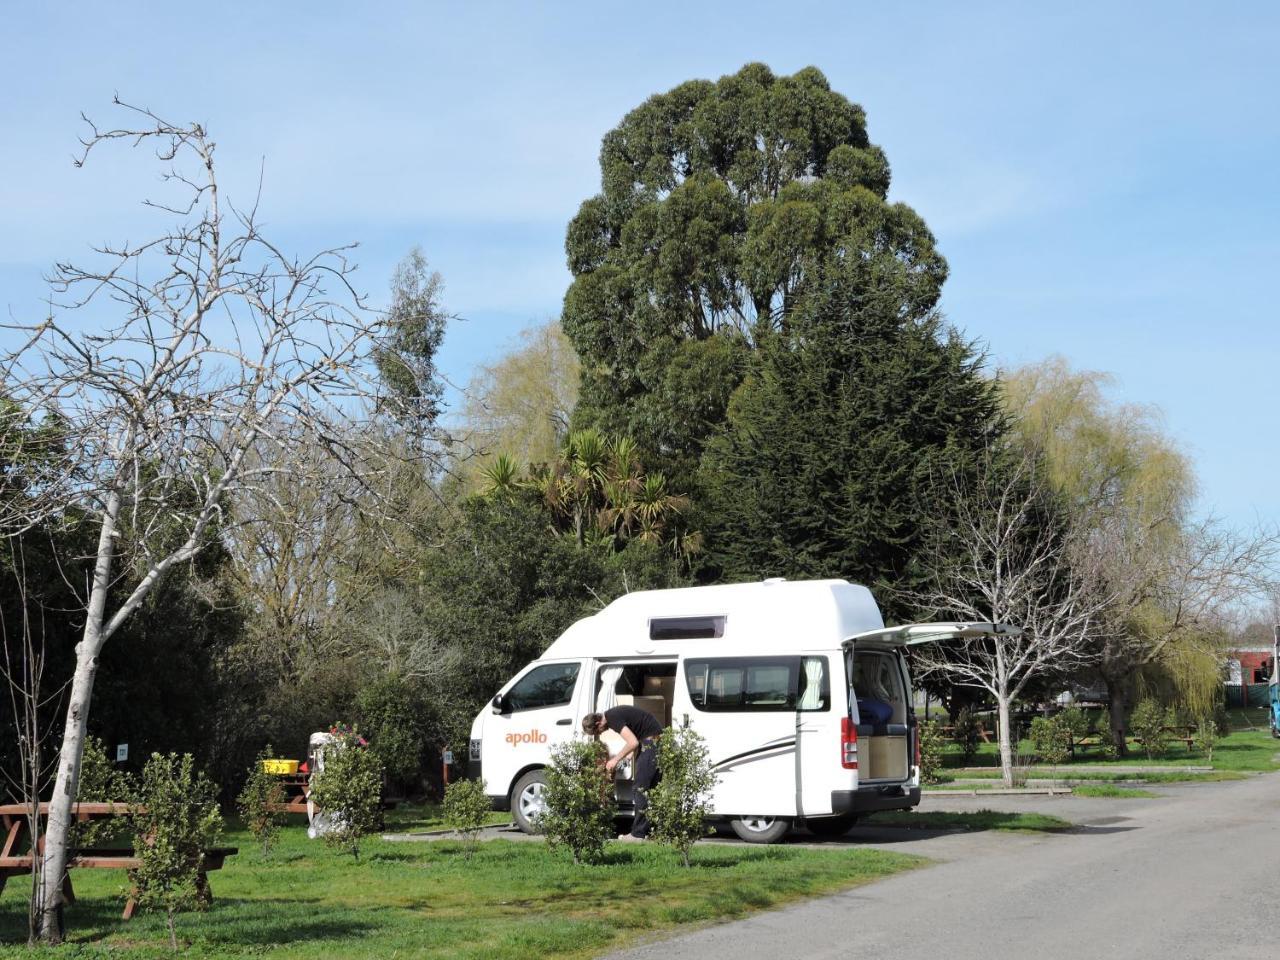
pixel 1193 874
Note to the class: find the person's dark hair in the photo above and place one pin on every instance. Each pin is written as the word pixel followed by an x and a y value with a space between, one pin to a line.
pixel 591 723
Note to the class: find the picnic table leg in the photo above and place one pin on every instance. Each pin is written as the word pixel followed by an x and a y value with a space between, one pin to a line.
pixel 131 905
pixel 68 894
pixel 204 893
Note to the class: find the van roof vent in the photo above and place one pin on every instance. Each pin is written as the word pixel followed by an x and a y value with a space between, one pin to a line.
pixel 686 628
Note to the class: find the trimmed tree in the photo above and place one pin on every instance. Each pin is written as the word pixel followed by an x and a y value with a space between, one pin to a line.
pixel 262 794
pixel 580 801
pixel 176 820
pixel 466 810
pixel 681 800
pixel 348 790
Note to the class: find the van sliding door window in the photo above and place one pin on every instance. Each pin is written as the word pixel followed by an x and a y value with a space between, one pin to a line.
pixel 743 684
pixel 550 685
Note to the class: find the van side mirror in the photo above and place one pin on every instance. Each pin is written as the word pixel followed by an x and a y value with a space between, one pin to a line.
pixel 497 703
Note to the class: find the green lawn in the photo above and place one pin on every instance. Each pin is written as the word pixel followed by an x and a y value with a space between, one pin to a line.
pixel 1244 751
pixel 513 900
pixel 978 820
pixel 1109 790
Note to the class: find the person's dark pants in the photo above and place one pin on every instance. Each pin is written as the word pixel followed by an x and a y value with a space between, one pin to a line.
pixel 646 775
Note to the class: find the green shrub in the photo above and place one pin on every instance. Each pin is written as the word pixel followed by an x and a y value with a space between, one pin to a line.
pixel 580 801
pixel 1076 722
pixel 965 734
pixel 1106 739
pixel 1148 722
pixel 1051 738
pixel 176 820
pixel 466 810
pixel 392 714
pixel 100 782
pixel 681 800
pixel 930 734
pixel 348 790
pixel 1222 719
pixel 1206 736
pixel 262 791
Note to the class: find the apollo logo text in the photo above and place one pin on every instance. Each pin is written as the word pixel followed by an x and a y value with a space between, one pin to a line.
pixel 533 736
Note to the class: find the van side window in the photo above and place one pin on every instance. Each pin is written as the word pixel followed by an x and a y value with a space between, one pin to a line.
pixel 743 684
pixel 550 685
pixel 815 684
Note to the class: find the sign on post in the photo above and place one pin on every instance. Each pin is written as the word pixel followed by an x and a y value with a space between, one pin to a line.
pixel 122 752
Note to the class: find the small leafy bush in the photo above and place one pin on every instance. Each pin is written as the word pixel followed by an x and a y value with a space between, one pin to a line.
pixel 580 801
pixel 466 810
pixel 1076 722
pixel 930 734
pixel 176 820
pixel 966 735
pixel 1148 722
pixel 1206 736
pixel 100 782
pixel 681 800
pixel 1106 738
pixel 1051 738
pixel 262 791
pixel 1222 719
pixel 348 790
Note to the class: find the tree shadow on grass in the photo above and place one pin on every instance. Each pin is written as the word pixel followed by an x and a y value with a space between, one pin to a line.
pixel 231 921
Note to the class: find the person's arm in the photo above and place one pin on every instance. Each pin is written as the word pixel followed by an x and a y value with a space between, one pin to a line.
pixel 629 745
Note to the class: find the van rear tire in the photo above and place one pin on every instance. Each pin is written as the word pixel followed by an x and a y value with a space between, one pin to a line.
pixel 528 800
pixel 761 829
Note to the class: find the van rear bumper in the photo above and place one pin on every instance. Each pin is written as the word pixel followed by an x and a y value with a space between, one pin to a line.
pixel 871 799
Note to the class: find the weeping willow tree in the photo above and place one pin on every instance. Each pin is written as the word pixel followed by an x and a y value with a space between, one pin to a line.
pixel 1188 675
pixel 1170 577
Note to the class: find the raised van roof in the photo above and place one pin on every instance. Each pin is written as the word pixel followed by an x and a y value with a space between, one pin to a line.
pixel 739 618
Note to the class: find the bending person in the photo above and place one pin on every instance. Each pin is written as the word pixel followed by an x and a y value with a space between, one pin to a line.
pixel 639 731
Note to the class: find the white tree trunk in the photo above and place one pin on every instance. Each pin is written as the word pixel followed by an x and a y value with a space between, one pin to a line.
pixel 1006 741
pixel 58 831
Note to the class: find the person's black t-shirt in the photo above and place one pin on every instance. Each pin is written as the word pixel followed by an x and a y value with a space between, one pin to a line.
pixel 642 723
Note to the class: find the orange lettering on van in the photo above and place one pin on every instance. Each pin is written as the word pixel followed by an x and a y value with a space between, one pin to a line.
pixel 533 736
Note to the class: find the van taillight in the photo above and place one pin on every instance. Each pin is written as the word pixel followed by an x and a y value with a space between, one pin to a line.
pixel 915 733
pixel 848 744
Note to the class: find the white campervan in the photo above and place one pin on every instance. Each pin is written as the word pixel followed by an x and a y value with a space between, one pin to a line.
pixel 771 674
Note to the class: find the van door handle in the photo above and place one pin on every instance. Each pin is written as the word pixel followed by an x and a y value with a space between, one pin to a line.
pixel 564 723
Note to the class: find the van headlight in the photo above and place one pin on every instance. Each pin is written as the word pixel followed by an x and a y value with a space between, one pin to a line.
pixel 474 750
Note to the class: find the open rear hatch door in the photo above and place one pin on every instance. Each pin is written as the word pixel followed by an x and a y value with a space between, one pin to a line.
pixel 914 634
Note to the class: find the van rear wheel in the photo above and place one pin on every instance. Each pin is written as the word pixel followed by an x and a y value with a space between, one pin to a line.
pixel 760 829
pixel 529 800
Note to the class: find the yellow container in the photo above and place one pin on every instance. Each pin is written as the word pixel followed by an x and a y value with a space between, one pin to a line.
pixel 280 766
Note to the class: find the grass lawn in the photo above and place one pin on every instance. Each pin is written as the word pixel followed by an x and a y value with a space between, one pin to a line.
pixel 978 820
pixel 1110 790
pixel 513 900
pixel 1244 751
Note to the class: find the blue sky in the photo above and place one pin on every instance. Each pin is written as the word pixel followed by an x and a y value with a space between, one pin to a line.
pixel 1101 177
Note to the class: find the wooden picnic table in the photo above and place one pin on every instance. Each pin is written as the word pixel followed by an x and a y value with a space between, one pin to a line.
pixel 297 788
pixel 16 855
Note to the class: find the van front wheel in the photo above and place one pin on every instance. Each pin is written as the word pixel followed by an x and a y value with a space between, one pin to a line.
pixel 760 829
pixel 529 800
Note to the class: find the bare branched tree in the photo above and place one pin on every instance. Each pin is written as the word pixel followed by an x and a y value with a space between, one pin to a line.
pixel 30 699
pixel 195 351
pixel 1006 558
pixel 1171 588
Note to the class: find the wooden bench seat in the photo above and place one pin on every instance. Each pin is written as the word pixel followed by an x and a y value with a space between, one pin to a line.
pixel 115 858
